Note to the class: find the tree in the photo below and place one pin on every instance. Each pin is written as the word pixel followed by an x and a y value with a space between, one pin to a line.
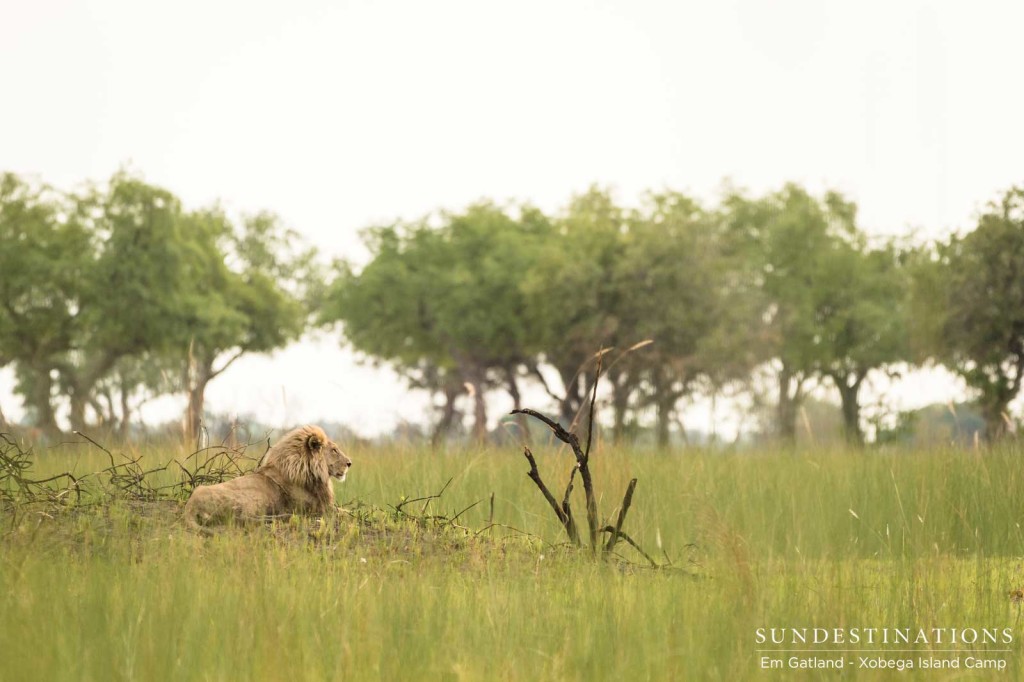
pixel 861 313
pixel 570 289
pixel 45 258
pixel 254 305
pixel 981 284
pixel 386 313
pixel 104 288
pixel 481 312
pixel 788 242
pixel 447 299
pixel 133 297
pixel 672 289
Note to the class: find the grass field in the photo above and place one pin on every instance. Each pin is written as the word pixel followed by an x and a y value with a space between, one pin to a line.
pixel 921 540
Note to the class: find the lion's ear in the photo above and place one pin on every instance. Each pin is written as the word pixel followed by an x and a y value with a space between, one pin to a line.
pixel 314 443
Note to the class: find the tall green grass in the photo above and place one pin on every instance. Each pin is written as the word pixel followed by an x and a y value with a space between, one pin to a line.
pixel 773 539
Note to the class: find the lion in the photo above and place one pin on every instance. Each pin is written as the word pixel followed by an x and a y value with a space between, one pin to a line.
pixel 293 477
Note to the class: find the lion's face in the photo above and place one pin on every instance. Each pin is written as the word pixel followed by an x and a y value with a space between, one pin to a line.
pixel 338 462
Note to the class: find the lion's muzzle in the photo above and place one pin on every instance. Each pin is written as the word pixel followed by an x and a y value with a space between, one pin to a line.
pixel 340 473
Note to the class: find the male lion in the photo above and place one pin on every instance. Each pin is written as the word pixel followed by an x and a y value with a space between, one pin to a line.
pixel 294 476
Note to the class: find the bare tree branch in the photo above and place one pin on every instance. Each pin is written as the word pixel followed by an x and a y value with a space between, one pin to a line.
pixel 214 373
pixel 623 510
pixel 631 541
pixel 534 474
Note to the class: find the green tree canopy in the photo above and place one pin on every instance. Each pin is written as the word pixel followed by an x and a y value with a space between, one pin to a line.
pixel 46 255
pixel 102 287
pixel 246 294
pixel 447 297
pixel 822 297
pixel 979 280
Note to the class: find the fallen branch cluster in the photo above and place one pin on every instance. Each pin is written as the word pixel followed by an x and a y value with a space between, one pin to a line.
pixel 563 509
pixel 124 479
pixel 16 488
pixel 424 517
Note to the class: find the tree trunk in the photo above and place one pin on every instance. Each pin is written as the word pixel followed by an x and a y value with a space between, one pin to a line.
pixel 474 375
pixel 789 403
pixel 479 413
pixel 620 406
pixel 569 406
pixel 126 414
pixel 39 400
pixel 194 411
pixel 197 398
pixel 850 402
pixel 78 400
pixel 664 402
pixel 81 383
pixel 517 404
pixel 995 424
pixel 444 426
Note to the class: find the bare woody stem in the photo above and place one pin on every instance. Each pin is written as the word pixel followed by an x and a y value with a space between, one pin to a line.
pixel 588 483
pixel 582 455
pixel 571 527
pixel 631 541
pixel 573 442
pixel 564 518
pixel 623 510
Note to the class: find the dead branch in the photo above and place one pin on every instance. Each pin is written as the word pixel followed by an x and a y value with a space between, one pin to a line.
pixel 573 442
pixel 631 541
pixel 563 518
pixel 593 404
pixel 560 433
pixel 588 482
pixel 582 454
pixel 567 509
pixel 582 460
pixel 626 501
pixel 425 499
pixel 456 517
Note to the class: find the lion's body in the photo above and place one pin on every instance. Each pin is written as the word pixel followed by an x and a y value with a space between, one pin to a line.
pixel 294 477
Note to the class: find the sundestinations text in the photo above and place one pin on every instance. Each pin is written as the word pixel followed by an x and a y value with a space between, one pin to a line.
pixel 872 635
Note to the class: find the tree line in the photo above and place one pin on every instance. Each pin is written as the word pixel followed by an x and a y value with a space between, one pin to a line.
pixel 116 292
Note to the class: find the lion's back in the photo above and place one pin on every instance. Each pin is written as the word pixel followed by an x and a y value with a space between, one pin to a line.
pixel 245 497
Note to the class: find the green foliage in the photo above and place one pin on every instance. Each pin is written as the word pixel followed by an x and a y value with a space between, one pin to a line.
pixel 830 305
pixel 107 290
pixel 246 294
pixel 116 293
pixel 487 296
pixel 979 280
pixel 448 297
pixel 571 291
pixel 46 257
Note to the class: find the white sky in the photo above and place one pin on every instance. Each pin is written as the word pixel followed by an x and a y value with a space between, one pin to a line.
pixel 337 115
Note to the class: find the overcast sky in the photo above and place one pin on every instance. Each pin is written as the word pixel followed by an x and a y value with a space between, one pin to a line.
pixel 337 115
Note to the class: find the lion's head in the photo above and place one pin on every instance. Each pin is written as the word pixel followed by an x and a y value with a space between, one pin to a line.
pixel 307 457
pixel 318 445
pixel 338 462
